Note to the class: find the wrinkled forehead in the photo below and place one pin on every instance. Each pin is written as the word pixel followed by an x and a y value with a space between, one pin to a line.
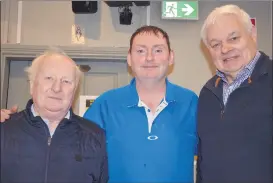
pixel 58 65
pixel 225 25
pixel 226 21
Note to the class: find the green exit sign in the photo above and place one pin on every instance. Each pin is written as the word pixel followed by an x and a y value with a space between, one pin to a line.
pixel 180 10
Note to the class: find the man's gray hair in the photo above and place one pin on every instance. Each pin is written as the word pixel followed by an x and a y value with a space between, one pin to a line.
pixel 36 63
pixel 225 10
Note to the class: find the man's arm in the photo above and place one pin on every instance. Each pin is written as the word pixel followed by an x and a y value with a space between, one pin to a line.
pixel 198 171
pixel 194 104
pixel 104 177
pixel 96 112
pixel 5 113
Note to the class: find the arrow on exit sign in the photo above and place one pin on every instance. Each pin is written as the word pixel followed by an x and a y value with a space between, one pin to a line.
pixel 188 9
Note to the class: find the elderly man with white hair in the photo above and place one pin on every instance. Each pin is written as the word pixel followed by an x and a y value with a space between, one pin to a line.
pixel 47 142
pixel 235 106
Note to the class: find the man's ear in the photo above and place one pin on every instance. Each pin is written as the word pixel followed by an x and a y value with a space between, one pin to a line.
pixel 254 33
pixel 31 87
pixel 129 59
pixel 171 58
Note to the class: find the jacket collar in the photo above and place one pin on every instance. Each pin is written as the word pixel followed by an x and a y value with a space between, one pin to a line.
pixel 260 69
pixel 37 120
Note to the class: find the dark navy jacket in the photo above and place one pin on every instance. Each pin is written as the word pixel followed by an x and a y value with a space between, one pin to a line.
pixel 235 141
pixel 76 152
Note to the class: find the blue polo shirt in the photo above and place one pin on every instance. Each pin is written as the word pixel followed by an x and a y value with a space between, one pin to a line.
pixel 166 154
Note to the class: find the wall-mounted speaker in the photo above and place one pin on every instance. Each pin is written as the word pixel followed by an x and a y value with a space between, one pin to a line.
pixel 84 7
pixel 127 3
pixel 142 3
pixel 119 3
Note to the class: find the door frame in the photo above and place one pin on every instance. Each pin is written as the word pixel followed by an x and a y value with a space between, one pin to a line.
pixel 15 52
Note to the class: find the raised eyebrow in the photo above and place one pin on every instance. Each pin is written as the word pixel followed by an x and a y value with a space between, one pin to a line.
pixel 232 34
pixel 139 45
pixel 159 45
pixel 214 40
pixel 229 35
pixel 66 78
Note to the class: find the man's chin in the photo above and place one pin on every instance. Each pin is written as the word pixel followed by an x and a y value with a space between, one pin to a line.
pixel 151 78
pixel 54 109
pixel 232 70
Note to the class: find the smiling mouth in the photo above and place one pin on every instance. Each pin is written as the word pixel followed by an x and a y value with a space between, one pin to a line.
pixel 149 67
pixel 230 58
pixel 55 98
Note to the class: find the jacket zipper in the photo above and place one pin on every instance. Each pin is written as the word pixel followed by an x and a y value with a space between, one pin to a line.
pixel 48 152
pixel 222 113
pixel 223 107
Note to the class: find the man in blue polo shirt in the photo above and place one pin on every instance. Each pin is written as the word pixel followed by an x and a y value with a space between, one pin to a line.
pixel 151 123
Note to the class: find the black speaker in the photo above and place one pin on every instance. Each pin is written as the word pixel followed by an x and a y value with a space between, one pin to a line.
pixel 119 3
pixel 142 3
pixel 125 16
pixel 84 7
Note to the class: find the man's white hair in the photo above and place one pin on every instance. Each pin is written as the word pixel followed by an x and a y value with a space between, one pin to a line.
pixel 37 62
pixel 225 10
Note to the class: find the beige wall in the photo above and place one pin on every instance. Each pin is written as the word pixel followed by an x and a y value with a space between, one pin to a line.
pixel 50 23
pixel 192 70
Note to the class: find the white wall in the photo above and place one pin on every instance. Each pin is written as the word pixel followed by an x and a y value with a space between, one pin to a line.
pixel 50 23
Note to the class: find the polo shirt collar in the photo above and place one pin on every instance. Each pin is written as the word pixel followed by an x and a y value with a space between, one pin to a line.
pixel 133 100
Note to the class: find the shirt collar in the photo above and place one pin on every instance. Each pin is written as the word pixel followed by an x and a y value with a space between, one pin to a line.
pixel 142 104
pixel 248 68
pixel 67 116
pixel 134 98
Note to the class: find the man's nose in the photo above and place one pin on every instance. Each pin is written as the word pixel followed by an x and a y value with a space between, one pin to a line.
pixel 149 57
pixel 225 48
pixel 56 86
